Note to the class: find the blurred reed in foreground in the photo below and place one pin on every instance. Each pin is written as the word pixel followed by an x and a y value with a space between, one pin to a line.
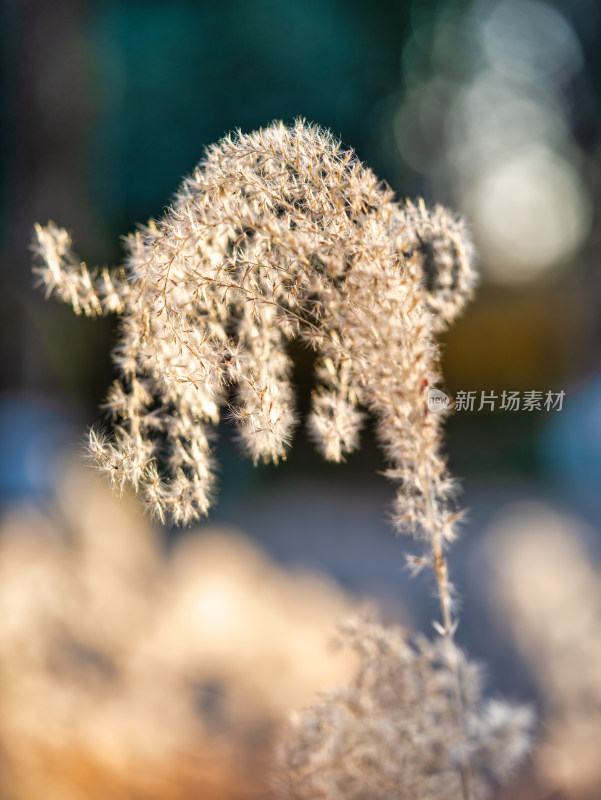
pixel 130 672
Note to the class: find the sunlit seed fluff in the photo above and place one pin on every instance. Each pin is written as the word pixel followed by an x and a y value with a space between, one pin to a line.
pixel 276 234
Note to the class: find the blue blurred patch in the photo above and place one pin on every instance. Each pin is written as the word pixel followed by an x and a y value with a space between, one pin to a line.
pixel 33 438
pixel 571 442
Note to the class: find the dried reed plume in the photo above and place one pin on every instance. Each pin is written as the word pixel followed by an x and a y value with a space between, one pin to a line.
pixel 277 234
pixel 281 234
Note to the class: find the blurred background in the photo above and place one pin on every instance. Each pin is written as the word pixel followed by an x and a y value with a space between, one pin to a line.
pixel 489 106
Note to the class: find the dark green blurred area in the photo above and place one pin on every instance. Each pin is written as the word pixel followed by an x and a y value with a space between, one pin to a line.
pixel 171 78
pixel 106 105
